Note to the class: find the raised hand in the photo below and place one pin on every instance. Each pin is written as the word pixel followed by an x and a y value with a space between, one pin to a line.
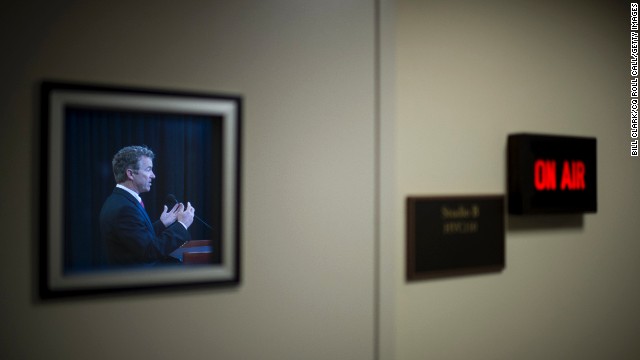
pixel 186 216
pixel 169 217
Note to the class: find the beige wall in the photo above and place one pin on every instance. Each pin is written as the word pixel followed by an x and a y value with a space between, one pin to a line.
pixel 305 69
pixel 468 74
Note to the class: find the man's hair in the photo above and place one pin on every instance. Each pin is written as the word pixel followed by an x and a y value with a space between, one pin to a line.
pixel 128 158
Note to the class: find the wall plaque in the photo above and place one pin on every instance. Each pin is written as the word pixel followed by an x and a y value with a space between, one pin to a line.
pixel 551 174
pixel 454 235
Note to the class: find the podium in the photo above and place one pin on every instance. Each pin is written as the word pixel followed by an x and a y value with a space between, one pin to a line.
pixel 194 252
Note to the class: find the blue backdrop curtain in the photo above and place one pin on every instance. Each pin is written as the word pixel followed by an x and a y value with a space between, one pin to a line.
pixel 188 164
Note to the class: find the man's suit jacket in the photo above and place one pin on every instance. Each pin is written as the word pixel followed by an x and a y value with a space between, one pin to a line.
pixel 130 236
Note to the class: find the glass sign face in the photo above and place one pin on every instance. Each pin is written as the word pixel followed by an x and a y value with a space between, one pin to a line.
pixel 551 174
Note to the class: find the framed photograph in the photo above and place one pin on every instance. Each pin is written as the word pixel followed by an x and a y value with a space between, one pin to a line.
pixel 454 235
pixel 140 189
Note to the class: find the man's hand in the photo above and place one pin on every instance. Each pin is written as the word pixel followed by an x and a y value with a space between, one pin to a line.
pixel 169 217
pixel 186 216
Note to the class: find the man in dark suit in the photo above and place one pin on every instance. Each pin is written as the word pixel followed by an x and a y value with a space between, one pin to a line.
pixel 131 238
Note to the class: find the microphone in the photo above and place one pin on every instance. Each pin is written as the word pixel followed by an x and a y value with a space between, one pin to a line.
pixel 172 201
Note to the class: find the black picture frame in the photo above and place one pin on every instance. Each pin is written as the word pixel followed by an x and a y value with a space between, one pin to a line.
pixel 196 137
pixel 454 235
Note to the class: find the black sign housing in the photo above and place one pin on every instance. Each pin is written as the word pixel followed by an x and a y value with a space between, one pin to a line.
pixel 551 174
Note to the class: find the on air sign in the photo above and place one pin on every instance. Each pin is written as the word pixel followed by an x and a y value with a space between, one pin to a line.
pixel 545 175
pixel 551 174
